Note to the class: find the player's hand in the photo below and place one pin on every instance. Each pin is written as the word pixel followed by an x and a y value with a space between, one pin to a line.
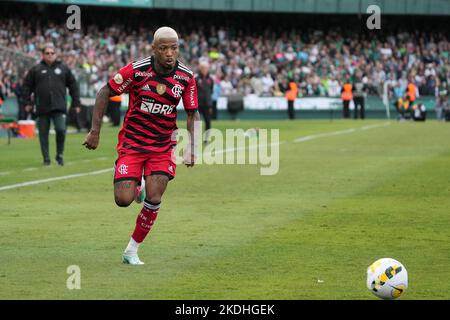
pixel 28 108
pixel 91 141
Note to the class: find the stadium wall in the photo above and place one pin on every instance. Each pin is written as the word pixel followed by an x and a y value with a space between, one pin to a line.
pixel 374 110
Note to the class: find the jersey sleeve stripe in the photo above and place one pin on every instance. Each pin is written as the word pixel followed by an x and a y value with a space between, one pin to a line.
pixel 141 62
pixel 183 65
pixel 148 64
pixel 186 70
pixel 185 73
pixel 136 65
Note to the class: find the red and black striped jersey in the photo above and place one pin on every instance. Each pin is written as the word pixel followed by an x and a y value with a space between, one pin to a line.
pixel 152 109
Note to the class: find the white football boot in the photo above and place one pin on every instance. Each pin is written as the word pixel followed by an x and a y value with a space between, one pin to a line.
pixel 131 259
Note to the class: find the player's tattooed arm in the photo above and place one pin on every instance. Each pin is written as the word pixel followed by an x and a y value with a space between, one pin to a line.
pixel 101 103
pixel 193 118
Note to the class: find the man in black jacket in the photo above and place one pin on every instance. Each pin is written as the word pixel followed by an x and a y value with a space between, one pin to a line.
pixel 204 88
pixel 360 90
pixel 48 81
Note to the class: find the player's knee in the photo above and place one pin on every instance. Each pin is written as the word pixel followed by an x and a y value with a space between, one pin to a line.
pixel 153 198
pixel 122 202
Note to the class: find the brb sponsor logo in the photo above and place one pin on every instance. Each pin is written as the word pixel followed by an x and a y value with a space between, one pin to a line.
pixel 151 107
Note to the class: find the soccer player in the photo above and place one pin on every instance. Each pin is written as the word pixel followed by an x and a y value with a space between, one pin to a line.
pixel 146 141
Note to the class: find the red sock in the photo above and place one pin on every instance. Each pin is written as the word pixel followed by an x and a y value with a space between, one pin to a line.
pixel 145 220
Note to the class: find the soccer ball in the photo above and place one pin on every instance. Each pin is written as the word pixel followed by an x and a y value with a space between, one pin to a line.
pixel 387 278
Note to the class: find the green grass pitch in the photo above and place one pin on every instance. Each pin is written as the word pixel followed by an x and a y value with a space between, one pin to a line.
pixel 338 203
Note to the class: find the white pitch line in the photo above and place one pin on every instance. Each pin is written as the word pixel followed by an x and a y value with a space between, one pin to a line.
pixel 30 183
pixel 5 173
pixel 67 164
pixel 250 147
pixel 375 126
pixel 336 133
pixel 298 140
pixel 321 135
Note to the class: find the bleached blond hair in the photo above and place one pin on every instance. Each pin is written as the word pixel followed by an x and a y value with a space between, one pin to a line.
pixel 165 33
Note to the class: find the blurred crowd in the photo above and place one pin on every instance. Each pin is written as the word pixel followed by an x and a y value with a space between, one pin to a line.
pixel 246 60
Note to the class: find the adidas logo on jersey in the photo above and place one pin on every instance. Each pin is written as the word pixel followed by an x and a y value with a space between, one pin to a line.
pixel 151 107
pixel 146 88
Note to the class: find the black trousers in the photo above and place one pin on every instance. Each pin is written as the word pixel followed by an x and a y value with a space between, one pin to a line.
pixel 73 118
pixel 43 124
pixel 291 112
pixel 113 111
pixel 205 111
pixel 214 110
pixel 359 108
pixel 346 109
